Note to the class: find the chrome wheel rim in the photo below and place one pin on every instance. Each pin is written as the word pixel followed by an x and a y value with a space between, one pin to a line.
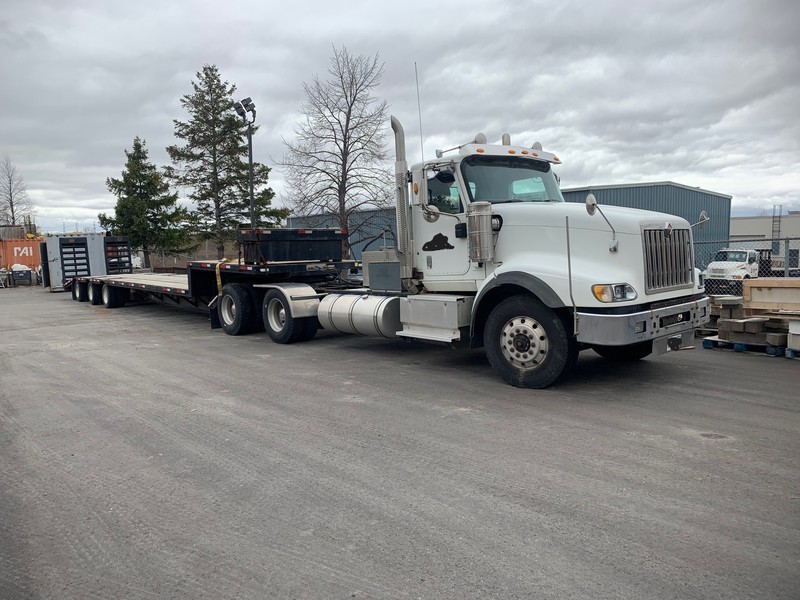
pixel 524 342
pixel 276 315
pixel 227 310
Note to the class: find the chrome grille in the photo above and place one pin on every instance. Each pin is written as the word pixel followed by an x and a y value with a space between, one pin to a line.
pixel 667 260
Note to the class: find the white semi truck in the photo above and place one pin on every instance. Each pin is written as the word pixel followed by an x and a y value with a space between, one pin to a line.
pixel 488 254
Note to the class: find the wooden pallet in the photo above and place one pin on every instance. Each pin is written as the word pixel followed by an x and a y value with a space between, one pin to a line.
pixel 792 353
pixel 715 342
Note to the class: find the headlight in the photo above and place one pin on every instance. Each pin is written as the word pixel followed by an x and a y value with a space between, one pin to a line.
pixel 613 292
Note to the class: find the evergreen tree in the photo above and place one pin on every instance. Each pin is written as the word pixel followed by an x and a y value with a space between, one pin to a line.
pixel 146 212
pixel 213 163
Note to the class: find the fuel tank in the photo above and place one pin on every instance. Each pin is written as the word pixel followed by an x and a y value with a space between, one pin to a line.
pixel 362 314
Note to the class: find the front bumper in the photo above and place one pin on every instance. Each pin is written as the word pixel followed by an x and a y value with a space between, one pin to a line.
pixel 631 328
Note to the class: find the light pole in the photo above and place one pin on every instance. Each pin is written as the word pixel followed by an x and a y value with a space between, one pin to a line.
pixel 242 108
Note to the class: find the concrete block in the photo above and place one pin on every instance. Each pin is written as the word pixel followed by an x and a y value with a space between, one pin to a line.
pixel 729 300
pixel 777 339
pixel 732 312
pixel 755 324
pixel 794 326
pixel 737 325
pixel 724 324
pixel 724 334
pixel 748 338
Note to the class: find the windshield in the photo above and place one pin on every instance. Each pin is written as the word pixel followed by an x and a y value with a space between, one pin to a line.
pixel 730 256
pixel 499 179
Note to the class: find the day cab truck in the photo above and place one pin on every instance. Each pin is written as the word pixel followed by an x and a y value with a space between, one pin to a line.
pixel 488 254
pixel 730 267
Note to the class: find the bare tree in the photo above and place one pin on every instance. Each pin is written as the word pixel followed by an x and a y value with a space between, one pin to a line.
pixel 14 201
pixel 338 163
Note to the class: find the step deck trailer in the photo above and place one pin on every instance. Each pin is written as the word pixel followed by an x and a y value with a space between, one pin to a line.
pixel 233 291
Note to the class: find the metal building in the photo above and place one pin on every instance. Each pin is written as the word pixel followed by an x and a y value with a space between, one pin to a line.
pixel 369 229
pixel 667 197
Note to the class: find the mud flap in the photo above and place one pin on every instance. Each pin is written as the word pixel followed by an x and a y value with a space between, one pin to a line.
pixel 214 314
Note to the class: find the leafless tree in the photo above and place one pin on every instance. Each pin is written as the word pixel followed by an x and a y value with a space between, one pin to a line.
pixel 338 163
pixel 14 201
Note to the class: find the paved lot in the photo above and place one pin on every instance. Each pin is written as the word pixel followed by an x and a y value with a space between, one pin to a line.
pixel 143 455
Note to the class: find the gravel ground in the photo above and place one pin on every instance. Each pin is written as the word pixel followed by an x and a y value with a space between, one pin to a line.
pixel 143 455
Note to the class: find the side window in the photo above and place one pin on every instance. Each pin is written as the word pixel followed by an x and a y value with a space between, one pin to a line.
pixel 444 196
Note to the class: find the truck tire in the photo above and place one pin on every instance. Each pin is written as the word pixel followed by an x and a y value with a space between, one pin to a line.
pixel 527 343
pixel 630 353
pixel 281 326
pixel 237 310
pixel 93 293
pixel 79 291
pixel 112 296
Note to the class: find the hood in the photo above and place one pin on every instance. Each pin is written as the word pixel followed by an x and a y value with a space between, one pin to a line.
pixel 552 214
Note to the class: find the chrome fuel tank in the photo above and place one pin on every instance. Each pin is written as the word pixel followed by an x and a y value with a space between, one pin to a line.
pixel 363 314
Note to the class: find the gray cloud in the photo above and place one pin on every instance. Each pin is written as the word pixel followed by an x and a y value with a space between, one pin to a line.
pixel 702 94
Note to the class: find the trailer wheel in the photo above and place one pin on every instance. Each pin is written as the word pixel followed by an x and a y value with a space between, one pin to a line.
pixel 79 291
pixel 281 326
pixel 236 309
pixel 630 353
pixel 527 344
pixel 112 297
pixel 93 293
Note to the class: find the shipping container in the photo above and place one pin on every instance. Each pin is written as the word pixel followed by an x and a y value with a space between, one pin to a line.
pixel 19 252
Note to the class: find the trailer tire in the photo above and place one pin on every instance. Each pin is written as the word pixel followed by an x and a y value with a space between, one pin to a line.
pixel 79 291
pixel 236 309
pixel 630 353
pixel 281 326
pixel 93 293
pixel 112 296
pixel 527 343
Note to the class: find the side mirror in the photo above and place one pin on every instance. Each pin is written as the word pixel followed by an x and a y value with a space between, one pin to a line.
pixel 591 204
pixel 701 220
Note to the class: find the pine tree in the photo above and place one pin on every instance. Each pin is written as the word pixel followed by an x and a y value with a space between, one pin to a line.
pixel 213 164
pixel 146 212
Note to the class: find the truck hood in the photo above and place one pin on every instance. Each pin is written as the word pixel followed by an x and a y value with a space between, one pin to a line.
pixel 552 214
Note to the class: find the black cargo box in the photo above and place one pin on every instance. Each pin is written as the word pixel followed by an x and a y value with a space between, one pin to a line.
pixel 267 245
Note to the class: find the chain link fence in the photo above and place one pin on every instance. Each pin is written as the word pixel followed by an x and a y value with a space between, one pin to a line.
pixel 725 264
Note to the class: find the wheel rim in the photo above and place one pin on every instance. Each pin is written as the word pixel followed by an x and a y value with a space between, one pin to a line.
pixel 228 310
pixel 105 294
pixel 524 342
pixel 276 315
pixel 90 293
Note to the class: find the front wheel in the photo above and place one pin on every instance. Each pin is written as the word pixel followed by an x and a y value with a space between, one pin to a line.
pixel 630 353
pixel 281 326
pixel 527 343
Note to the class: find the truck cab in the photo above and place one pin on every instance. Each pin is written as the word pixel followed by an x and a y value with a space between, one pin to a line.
pixel 540 279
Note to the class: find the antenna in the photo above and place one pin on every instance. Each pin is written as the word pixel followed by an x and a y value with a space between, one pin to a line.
pixel 419 110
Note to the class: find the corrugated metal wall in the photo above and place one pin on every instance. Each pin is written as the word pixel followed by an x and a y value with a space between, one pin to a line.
pixel 666 197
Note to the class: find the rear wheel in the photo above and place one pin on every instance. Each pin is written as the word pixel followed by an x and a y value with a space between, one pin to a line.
pixel 93 293
pixel 281 326
pixel 112 297
pixel 630 353
pixel 236 309
pixel 79 291
pixel 527 344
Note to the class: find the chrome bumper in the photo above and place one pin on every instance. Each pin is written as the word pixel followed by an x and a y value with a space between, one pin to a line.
pixel 659 324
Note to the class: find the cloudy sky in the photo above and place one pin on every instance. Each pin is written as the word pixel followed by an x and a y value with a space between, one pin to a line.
pixel 705 93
